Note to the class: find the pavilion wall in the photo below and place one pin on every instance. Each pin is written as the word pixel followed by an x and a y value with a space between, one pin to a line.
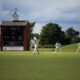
pixel 26 36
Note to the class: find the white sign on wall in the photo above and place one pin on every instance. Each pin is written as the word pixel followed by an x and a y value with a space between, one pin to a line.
pixel 13 48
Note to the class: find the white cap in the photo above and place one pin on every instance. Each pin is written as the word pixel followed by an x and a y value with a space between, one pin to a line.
pixel 34 38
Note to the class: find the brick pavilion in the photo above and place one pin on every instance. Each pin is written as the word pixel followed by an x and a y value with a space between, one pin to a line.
pixel 15 34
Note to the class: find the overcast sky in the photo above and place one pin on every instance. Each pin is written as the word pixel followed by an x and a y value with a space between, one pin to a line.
pixel 64 12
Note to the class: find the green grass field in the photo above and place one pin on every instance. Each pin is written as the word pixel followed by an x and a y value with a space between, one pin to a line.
pixel 23 65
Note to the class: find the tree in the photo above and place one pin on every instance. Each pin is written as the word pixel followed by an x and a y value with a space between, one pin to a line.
pixel 51 33
pixel 36 35
pixel 72 34
pixel 31 28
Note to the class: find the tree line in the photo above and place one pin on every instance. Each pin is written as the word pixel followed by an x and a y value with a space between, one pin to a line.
pixel 52 33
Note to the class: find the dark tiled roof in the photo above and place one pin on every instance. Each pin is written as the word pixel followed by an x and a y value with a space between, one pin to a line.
pixel 14 23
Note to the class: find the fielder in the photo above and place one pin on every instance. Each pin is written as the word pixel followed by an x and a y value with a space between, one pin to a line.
pixel 57 47
pixel 31 44
pixel 78 48
pixel 34 43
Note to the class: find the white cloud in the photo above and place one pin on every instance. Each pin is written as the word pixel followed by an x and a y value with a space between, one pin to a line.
pixel 38 27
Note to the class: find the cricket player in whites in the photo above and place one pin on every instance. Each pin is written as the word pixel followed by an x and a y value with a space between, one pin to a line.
pixel 31 44
pixel 78 48
pixel 34 43
pixel 57 47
